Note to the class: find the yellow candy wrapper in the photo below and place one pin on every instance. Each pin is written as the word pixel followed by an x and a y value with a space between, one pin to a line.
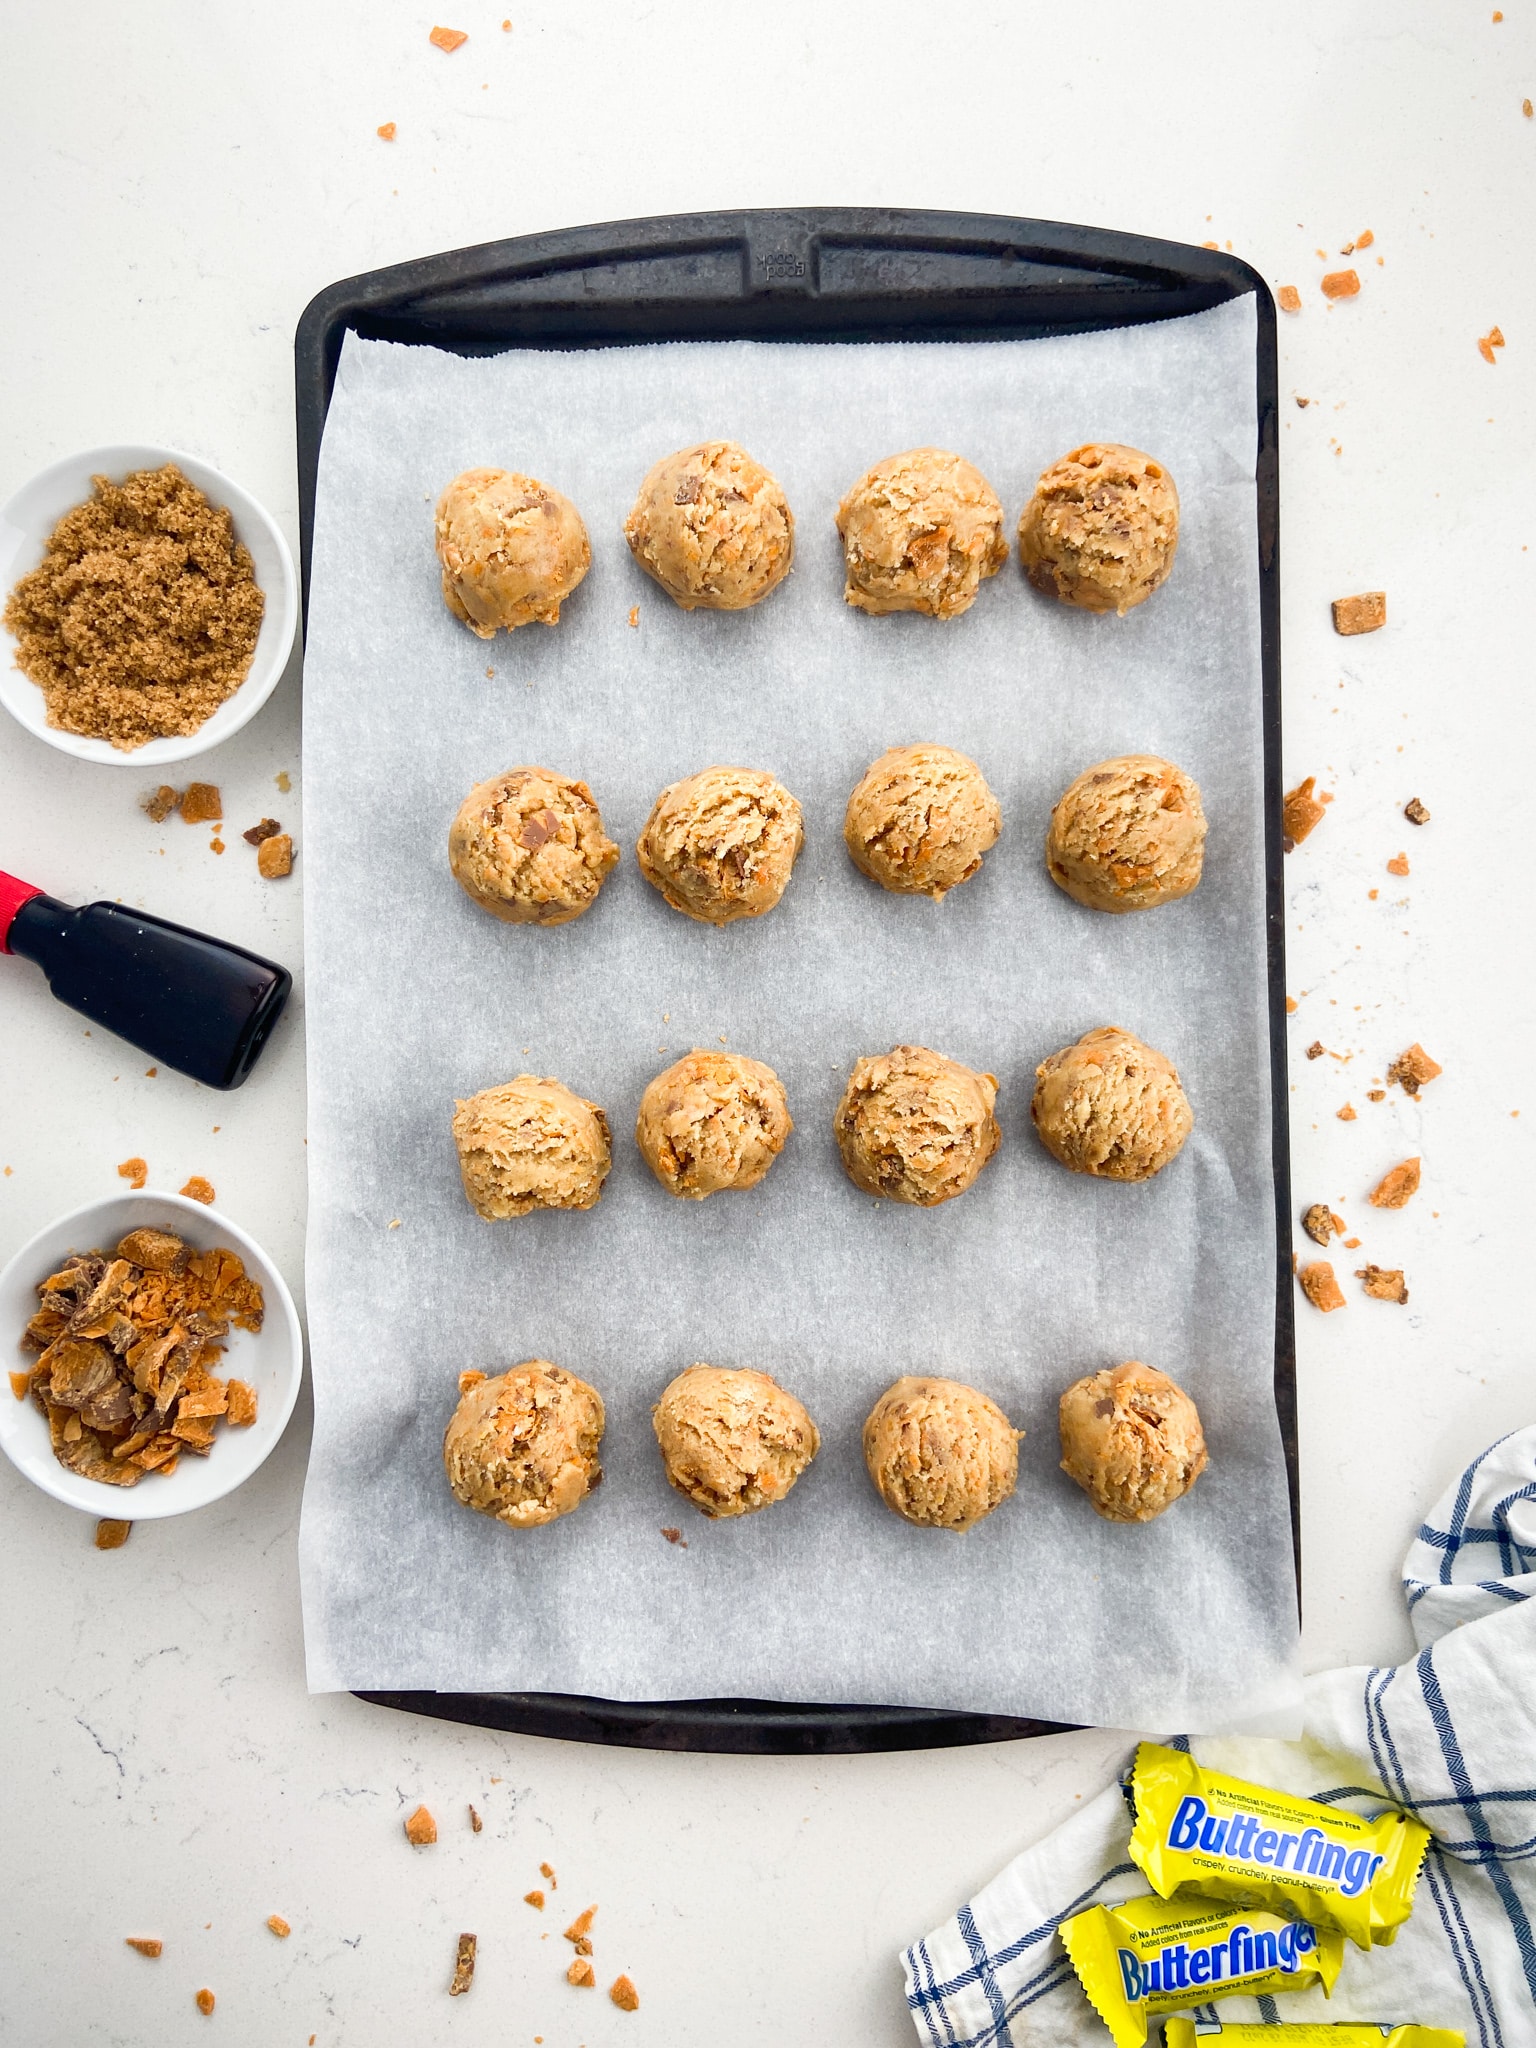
pixel 1184 2033
pixel 1232 1840
pixel 1161 1955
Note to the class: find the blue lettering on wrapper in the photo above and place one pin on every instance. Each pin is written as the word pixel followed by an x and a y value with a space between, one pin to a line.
pixel 1184 1831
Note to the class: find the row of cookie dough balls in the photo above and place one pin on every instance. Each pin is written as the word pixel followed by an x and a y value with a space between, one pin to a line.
pixel 529 847
pixel 523 1447
pixel 920 533
pixel 912 1126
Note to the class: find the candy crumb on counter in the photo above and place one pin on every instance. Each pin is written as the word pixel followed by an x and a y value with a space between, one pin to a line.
pixel 21 1384
pixel 534 1899
pixel 1288 299
pixel 385 131
pixel 1320 1223
pixel 1365 612
pixel 147 1944
pixel 581 1927
pixel 1320 1287
pixel 1382 1283
pixel 1341 284
pixel 135 1172
pixel 205 2002
pixel 267 829
pixel 279 1926
pixel 1396 1188
pixel 112 1535
pixel 160 803
pixel 624 1995
pixel 420 1829
pixel 634 615
pixel 274 857
pixel 1415 812
pixel 1301 813
pixel 544 1869
pixel 283 780
pixel 1316 1049
pixel 475 1822
pixel 1412 1069
pixel 197 1190
pixel 1346 1115
pixel 448 39
pixel 201 804
pixel 1398 865
pixel 463 1966
pixel 582 1975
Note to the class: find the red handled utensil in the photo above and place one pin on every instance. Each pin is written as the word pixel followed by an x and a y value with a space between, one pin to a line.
pixel 191 1002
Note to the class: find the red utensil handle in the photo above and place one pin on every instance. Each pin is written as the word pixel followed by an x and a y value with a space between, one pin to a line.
pixel 13 893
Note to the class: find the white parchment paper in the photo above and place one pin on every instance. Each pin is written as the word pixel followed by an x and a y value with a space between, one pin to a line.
pixel 1030 1279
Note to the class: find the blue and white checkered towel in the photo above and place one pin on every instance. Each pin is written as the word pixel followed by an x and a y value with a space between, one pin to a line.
pixel 1451 1737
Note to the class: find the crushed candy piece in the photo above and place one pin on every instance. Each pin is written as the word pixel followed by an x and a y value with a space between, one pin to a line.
pixel 160 803
pixel 1399 865
pixel 634 615
pixel 581 1974
pixel 283 780
pixel 420 1829
pixel 1291 1006
pixel 471 1379
pixel 1396 1188
pixel 448 38
pixel 624 1995
pixel 1341 284
pixel 1346 1115
pixel 111 1535
pixel 205 2002
pixel 201 804
pixel 267 829
pixel 1288 299
pixel 146 1944
pixel 274 857
pixel 1412 1069
pixel 581 1926
pixel 1320 1287
pixel 279 1926
pixel 1320 1223
pixel 199 1190
pixel 673 1535
pixel 534 1899
pixel 385 131
pixel 544 1869
pixel 135 1172
pixel 242 1404
pixel 1415 812
pixel 1383 1283
pixel 1316 1049
pixel 1364 613
pixel 475 1822
pixel 1301 813
pixel 1365 238
pixel 463 1966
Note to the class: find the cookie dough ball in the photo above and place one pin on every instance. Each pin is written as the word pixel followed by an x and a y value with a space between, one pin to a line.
pixel 915 1126
pixel 732 1441
pixel 920 821
pixel 1132 1441
pixel 920 531
pixel 1101 529
pixel 712 527
pixel 529 847
pixel 712 1120
pixel 523 1446
pixel 941 1455
pixel 1128 834
pixel 531 1144
pixel 512 550
pixel 722 844
pixel 1111 1106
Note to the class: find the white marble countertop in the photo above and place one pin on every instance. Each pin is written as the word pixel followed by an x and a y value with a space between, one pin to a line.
pixel 182 180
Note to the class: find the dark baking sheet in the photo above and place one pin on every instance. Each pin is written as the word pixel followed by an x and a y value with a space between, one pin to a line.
pixel 828 274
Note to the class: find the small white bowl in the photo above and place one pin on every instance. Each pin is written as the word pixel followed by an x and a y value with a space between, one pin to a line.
pixel 36 509
pixel 271 1360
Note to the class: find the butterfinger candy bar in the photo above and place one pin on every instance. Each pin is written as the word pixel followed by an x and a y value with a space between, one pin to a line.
pixel 1233 1840
pixel 1186 2033
pixel 1163 1955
